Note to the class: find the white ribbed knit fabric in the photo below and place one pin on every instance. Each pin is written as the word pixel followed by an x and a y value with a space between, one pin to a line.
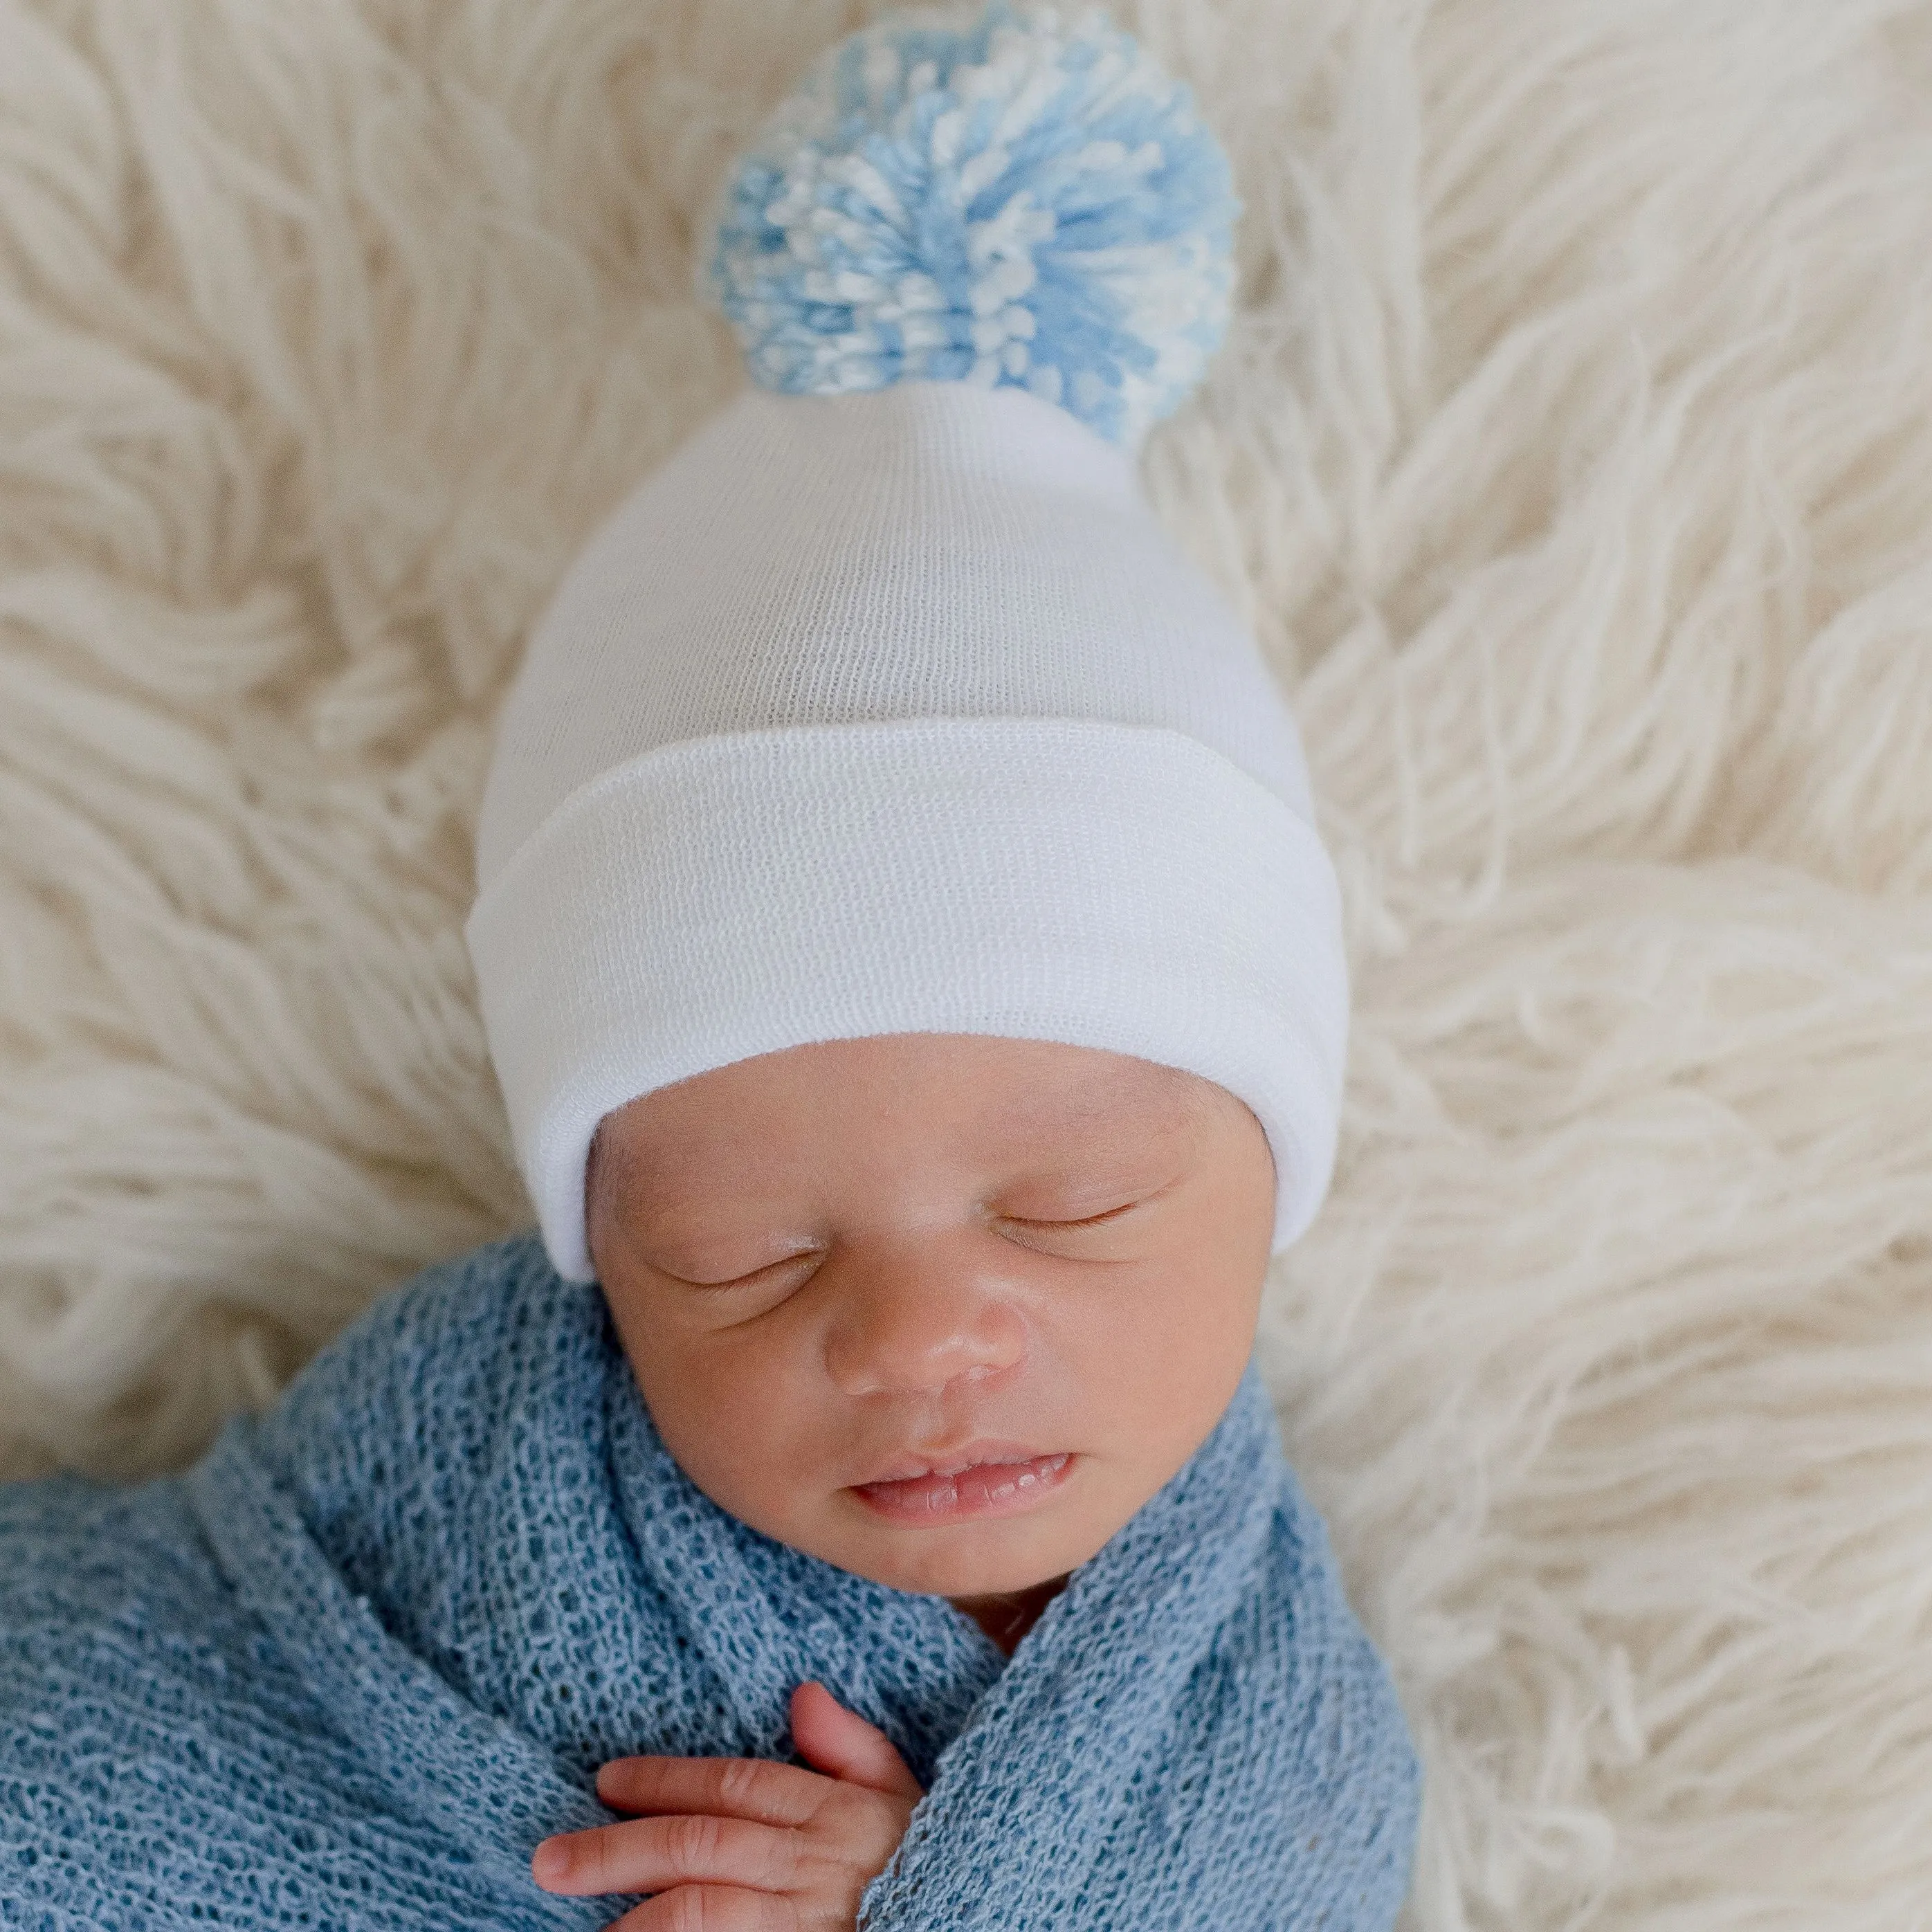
pixel 897 712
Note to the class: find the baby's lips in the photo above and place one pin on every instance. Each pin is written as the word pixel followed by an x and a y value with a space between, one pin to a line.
pixel 954 1461
pixel 989 1489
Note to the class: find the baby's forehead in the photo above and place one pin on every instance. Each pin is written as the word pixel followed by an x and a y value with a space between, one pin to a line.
pixel 1148 1098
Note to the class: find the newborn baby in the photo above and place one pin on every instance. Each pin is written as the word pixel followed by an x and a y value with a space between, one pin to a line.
pixel 943 1311
pixel 917 989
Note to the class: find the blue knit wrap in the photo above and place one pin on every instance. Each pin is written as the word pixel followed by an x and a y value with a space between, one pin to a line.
pixel 349 1669
pixel 1021 198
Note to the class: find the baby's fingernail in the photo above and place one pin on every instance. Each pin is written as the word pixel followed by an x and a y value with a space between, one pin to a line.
pixel 551 1861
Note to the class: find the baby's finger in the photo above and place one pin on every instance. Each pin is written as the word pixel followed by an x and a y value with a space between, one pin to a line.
pixel 717 1908
pixel 844 1745
pixel 656 1854
pixel 759 1789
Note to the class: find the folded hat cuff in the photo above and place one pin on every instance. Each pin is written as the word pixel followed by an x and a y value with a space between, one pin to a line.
pixel 1114 886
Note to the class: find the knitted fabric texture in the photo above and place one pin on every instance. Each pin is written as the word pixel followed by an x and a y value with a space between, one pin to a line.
pixel 349 1669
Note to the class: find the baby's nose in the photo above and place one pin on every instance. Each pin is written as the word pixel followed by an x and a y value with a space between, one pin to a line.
pixel 903 1327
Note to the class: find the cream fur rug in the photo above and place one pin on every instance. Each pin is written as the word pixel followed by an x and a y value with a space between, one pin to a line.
pixel 1572 454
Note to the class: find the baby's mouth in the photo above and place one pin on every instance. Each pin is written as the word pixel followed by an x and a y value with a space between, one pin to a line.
pixel 992 1483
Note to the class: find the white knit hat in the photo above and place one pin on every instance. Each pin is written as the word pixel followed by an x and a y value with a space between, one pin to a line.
pixel 886 705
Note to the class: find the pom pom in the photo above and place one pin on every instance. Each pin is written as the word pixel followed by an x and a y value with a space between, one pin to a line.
pixel 1027 200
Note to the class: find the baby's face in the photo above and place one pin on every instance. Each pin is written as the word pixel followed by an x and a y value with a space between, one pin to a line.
pixel 846 1278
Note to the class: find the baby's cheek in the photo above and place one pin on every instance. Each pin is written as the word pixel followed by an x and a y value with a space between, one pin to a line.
pixel 1157 1352
pixel 738 1410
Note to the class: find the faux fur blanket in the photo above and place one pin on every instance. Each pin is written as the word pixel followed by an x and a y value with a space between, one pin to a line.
pixel 1569 452
pixel 352 1666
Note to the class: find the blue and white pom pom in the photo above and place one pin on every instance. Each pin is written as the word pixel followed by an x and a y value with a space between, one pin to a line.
pixel 1026 200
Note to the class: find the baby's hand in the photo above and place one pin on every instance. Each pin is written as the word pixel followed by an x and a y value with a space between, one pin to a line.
pixel 738 1844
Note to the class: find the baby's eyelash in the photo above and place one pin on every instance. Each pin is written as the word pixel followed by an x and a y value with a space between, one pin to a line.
pixel 744 1280
pixel 1091 1221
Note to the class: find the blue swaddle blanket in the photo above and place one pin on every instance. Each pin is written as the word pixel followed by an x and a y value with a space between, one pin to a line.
pixel 349 1669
